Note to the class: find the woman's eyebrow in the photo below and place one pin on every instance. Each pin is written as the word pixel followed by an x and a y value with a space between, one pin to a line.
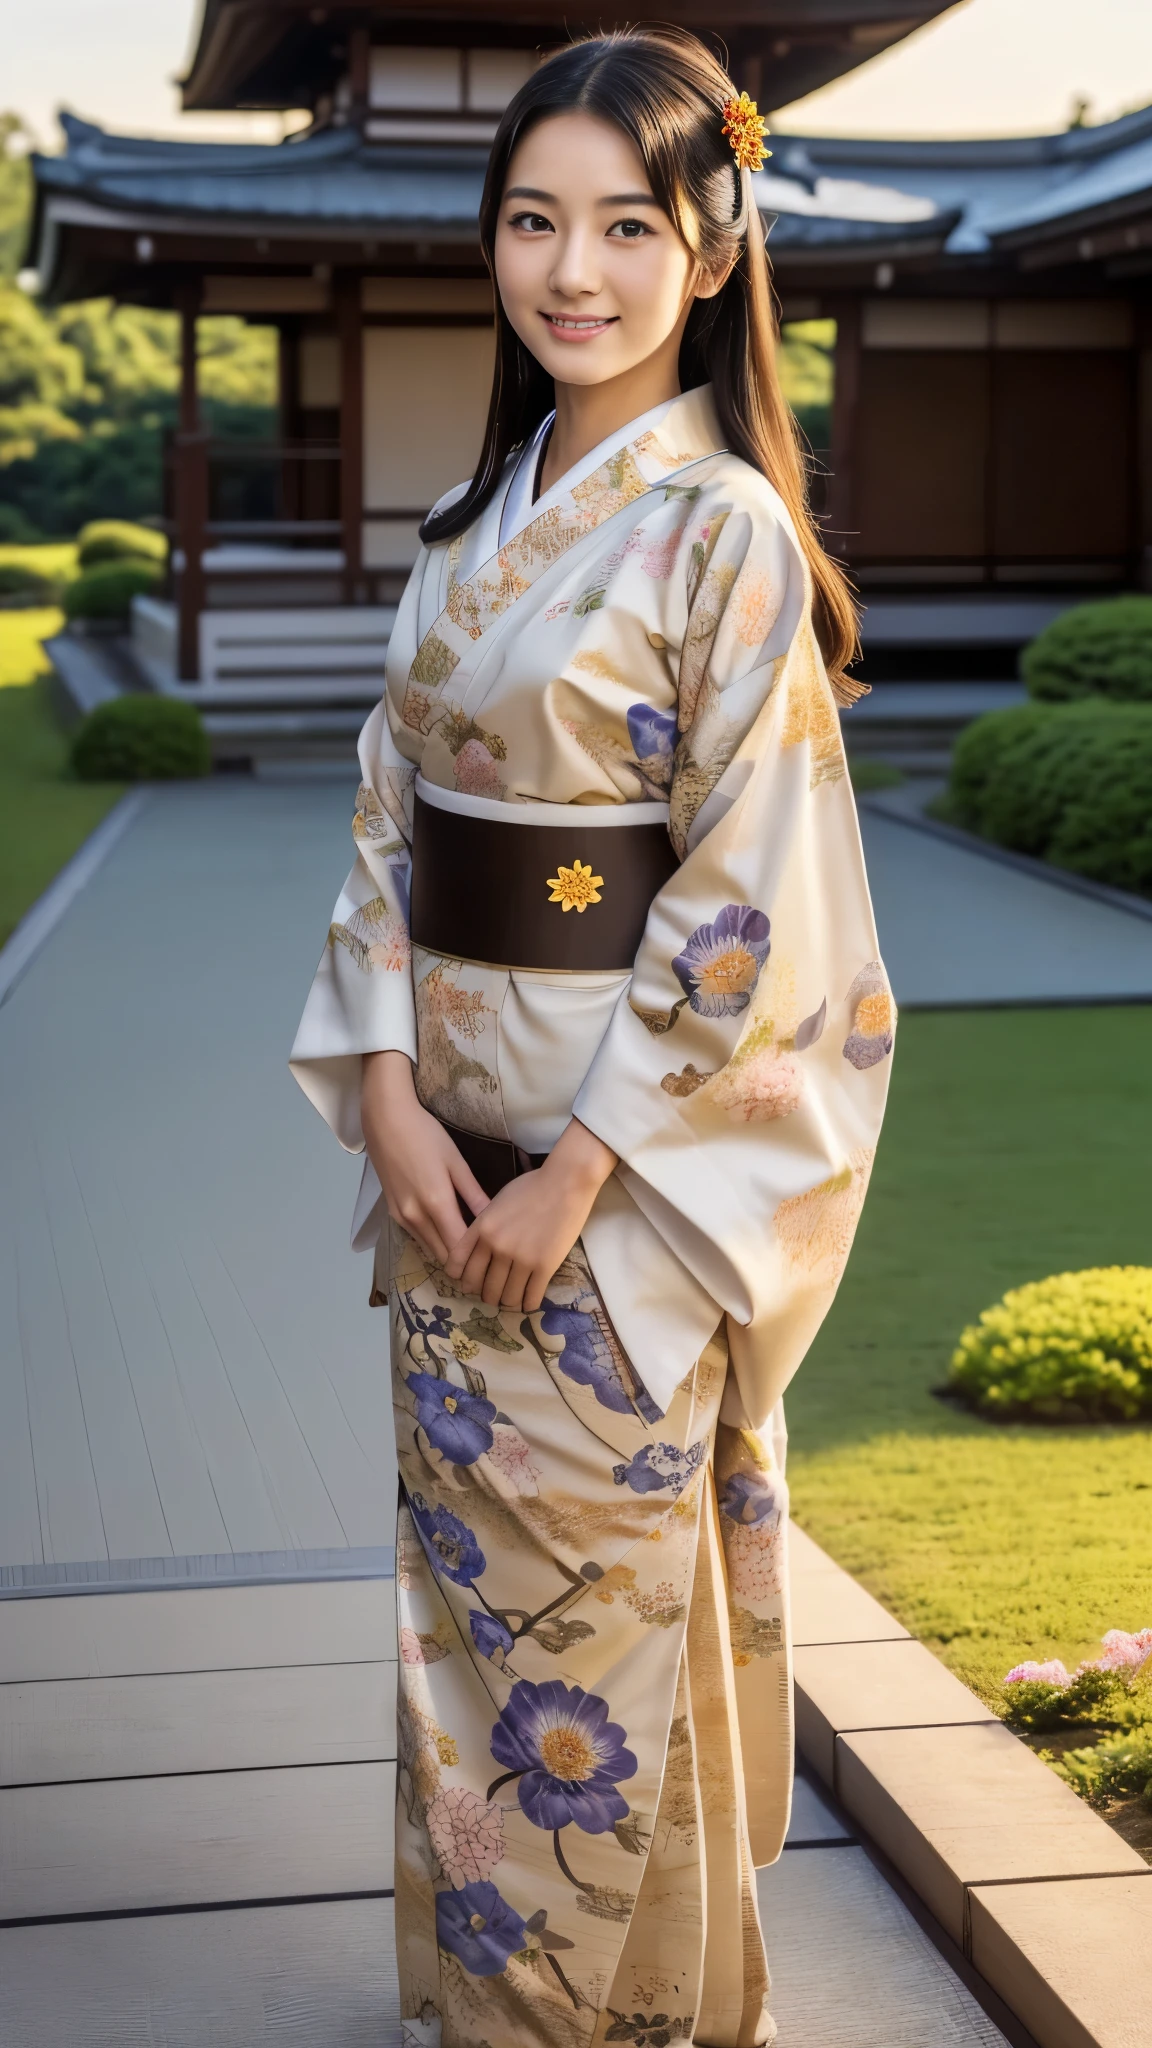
pixel 630 199
pixel 530 192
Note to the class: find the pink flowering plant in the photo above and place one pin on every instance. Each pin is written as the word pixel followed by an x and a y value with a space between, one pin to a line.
pixel 1112 1693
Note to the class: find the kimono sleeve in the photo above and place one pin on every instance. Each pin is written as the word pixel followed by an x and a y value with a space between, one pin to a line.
pixel 361 997
pixel 742 1078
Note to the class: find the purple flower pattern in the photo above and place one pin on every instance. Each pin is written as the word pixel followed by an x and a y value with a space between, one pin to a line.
pixel 568 1754
pixel 480 1928
pixel 455 1422
pixel 748 1497
pixel 658 1466
pixel 489 1635
pixel 721 962
pixel 452 1548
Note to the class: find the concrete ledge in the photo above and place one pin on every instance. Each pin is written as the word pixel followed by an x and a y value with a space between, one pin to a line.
pixel 845 1687
pixel 961 1806
pixel 828 1606
pixel 1078 1955
pixel 1009 1862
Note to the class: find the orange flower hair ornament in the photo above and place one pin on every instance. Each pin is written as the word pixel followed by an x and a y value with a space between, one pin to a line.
pixel 745 129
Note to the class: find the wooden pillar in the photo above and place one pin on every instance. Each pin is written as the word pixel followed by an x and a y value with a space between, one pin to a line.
pixel 288 407
pixel 359 60
pixel 1144 445
pixel 842 522
pixel 191 452
pixel 350 327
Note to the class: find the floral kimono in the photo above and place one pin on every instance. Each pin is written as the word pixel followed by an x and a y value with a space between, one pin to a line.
pixel 594 1720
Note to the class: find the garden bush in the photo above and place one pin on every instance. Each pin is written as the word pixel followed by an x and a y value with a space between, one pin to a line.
pixel 1066 783
pixel 107 592
pixel 1097 649
pixel 1120 1767
pixel 118 540
pixel 1074 1348
pixel 141 739
pixel 23 585
pixel 15 529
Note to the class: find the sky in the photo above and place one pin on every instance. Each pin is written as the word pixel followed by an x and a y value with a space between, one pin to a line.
pixel 990 67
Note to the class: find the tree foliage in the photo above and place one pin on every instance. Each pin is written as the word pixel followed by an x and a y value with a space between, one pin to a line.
pixel 87 391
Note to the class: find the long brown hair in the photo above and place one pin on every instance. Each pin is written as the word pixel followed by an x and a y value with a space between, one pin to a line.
pixel 666 91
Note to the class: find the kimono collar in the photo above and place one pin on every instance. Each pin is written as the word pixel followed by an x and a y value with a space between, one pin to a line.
pixel 642 456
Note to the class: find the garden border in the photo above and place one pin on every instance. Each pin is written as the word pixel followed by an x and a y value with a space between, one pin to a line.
pixel 1048 1906
pixel 1040 870
pixel 38 923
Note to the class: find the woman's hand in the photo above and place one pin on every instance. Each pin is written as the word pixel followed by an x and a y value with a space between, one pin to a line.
pixel 420 1170
pixel 510 1253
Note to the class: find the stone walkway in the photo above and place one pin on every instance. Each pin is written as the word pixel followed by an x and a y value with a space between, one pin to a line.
pixel 960 927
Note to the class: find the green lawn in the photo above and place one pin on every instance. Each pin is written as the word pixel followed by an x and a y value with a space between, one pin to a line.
pixel 44 815
pixel 1017 1144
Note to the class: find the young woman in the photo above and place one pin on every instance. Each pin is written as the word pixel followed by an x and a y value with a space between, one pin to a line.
pixel 602 1001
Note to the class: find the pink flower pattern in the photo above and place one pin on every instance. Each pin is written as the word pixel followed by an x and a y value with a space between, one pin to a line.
pixel 512 1459
pixel 466 1833
pixel 411 1648
pixel 476 772
pixel 758 1089
pixel 755 1556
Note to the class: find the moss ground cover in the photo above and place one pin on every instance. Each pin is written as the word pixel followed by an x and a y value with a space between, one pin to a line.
pixel 1016 1146
pixel 44 814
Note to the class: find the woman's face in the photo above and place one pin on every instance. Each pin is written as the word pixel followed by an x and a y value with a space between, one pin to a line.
pixel 591 272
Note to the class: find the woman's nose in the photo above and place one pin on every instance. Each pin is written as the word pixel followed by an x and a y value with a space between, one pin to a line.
pixel 575 272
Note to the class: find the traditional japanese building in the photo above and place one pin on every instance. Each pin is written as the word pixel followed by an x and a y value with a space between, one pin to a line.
pixel 991 427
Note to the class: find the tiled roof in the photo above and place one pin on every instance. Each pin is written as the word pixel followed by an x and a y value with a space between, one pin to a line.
pixel 824 192
pixel 334 175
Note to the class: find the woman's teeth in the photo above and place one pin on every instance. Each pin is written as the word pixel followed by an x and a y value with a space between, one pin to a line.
pixel 558 320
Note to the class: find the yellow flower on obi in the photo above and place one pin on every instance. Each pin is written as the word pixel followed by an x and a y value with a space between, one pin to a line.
pixel 576 887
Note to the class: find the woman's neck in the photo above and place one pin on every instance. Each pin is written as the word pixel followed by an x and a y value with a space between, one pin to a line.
pixel 587 414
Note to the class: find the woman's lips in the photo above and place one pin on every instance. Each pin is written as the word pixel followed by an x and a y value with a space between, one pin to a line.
pixel 567 327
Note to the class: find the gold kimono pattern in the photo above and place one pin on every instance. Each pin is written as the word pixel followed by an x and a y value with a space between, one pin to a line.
pixel 595 1491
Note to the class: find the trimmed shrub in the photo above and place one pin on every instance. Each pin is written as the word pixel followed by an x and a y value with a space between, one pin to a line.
pixel 141 739
pixel 25 585
pixel 118 540
pixel 1067 783
pixel 1100 649
pixel 15 529
pixel 107 593
pixel 1074 1348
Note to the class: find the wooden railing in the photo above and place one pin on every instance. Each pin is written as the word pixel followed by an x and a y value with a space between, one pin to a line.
pixel 258 491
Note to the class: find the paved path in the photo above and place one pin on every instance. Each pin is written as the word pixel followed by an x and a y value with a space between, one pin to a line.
pixel 958 926
pixel 188 1366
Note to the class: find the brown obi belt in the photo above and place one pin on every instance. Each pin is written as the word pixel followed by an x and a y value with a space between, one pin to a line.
pixel 495 883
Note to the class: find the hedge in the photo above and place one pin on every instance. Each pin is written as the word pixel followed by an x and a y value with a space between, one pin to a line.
pixel 141 739
pixel 1100 649
pixel 25 585
pixel 1073 1348
pixel 119 540
pixel 1067 783
pixel 107 592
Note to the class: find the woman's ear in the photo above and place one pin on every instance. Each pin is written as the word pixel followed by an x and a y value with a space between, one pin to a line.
pixel 710 283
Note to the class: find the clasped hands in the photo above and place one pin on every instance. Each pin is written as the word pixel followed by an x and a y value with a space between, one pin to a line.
pixel 509 1253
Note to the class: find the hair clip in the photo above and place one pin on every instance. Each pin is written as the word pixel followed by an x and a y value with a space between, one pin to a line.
pixel 745 129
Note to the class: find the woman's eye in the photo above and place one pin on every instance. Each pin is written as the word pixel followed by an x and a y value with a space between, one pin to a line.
pixel 534 223
pixel 630 230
